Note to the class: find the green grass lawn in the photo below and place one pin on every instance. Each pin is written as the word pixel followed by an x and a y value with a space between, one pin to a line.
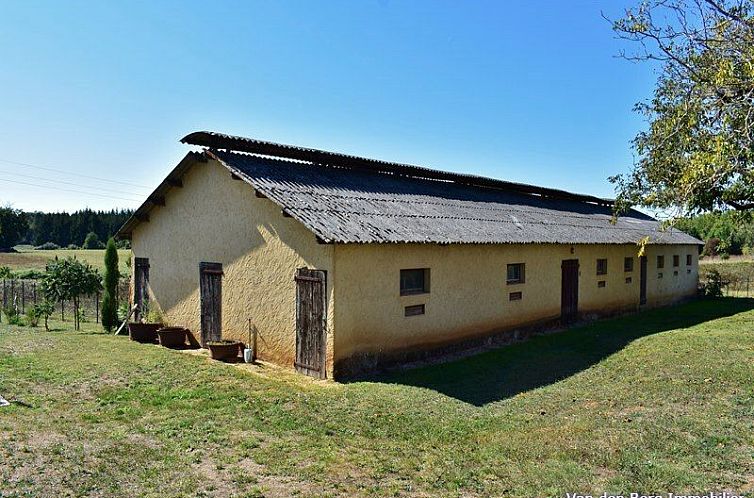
pixel 655 402
pixel 30 259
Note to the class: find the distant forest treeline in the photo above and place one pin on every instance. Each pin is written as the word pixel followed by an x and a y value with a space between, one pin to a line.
pixel 64 229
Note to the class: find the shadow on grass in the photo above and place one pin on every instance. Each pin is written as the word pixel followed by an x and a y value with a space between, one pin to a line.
pixel 542 360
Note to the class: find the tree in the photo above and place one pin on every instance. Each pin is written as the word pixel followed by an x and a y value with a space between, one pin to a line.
pixel 110 281
pixel 91 241
pixel 69 279
pixel 13 226
pixel 697 154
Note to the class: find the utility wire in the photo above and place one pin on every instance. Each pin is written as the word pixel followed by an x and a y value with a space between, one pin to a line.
pixel 73 174
pixel 118 191
pixel 68 190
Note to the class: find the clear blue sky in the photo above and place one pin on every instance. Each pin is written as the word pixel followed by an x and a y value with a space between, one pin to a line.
pixel 524 91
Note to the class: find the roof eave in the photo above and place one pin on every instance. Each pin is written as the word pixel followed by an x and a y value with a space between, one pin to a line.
pixel 157 197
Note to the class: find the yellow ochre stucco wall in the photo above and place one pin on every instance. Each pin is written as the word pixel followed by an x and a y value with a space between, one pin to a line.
pixel 468 295
pixel 214 218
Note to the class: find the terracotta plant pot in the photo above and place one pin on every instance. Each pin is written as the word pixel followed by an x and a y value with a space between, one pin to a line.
pixel 224 350
pixel 172 337
pixel 143 332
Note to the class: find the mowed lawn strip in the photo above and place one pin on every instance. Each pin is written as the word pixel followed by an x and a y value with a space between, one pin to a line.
pixel 658 401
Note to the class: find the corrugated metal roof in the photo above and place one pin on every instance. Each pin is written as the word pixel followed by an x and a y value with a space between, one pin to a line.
pixel 343 205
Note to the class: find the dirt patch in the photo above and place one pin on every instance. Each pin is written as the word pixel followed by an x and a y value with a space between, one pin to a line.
pixel 245 476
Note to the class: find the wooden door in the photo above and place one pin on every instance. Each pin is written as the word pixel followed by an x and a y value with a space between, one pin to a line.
pixel 311 322
pixel 210 293
pixel 141 286
pixel 643 280
pixel 569 293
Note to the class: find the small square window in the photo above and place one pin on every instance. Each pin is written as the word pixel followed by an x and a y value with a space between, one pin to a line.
pixel 688 271
pixel 515 296
pixel 601 283
pixel 660 261
pixel 688 260
pixel 675 273
pixel 516 274
pixel 602 267
pixel 417 309
pixel 628 280
pixel 659 275
pixel 414 281
pixel 676 260
pixel 628 264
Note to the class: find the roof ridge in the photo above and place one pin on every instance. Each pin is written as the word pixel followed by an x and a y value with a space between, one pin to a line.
pixel 214 140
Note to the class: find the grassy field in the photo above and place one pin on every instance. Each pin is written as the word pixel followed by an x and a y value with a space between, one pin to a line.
pixel 730 269
pixel 31 259
pixel 655 402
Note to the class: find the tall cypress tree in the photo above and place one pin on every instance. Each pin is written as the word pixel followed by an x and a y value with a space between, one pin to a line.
pixel 110 281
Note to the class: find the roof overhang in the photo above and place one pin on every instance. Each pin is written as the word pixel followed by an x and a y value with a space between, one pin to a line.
pixel 157 197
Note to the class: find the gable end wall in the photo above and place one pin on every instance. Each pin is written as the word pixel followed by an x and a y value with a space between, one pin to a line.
pixel 214 218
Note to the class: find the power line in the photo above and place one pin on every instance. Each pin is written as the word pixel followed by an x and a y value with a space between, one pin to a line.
pixel 73 174
pixel 71 183
pixel 68 190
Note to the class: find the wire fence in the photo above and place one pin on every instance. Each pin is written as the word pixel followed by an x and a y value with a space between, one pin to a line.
pixel 743 287
pixel 23 294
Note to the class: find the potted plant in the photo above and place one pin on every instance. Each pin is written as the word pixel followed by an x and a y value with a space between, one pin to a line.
pixel 172 337
pixel 146 331
pixel 225 349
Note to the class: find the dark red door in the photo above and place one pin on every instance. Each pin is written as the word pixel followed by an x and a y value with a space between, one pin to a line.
pixel 569 293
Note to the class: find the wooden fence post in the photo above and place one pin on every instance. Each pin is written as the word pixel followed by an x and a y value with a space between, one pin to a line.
pixel 23 296
pixel 96 307
pixel 34 291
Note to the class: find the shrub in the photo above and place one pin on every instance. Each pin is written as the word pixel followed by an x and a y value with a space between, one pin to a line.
pixel 5 272
pixel 746 250
pixel 153 314
pixel 724 255
pixel 47 246
pixel 42 310
pixel 92 242
pixel 712 284
pixel 123 244
pixel 31 274
pixel 72 247
pixel 11 315
pixel 123 311
pixel 32 316
pixel 110 284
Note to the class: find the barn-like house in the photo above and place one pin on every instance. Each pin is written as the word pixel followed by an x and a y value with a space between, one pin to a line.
pixel 341 264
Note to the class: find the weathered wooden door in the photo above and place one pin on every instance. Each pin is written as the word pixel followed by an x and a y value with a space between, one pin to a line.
pixel 643 280
pixel 569 293
pixel 311 322
pixel 210 293
pixel 141 286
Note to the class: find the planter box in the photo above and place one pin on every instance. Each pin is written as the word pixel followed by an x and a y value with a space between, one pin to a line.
pixel 224 350
pixel 172 337
pixel 143 332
